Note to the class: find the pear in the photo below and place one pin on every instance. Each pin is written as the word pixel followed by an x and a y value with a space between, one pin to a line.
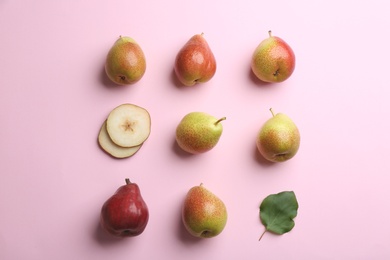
pixel 125 62
pixel 128 125
pixel 125 214
pixel 111 148
pixel 125 130
pixel 273 60
pixel 204 215
pixel 198 132
pixel 195 62
pixel 278 139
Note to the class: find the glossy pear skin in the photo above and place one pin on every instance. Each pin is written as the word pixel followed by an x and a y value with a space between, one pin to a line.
pixel 204 215
pixel 273 60
pixel 278 140
pixel 198 132
pixel 195 62
pixel 125 62
pixel 125 214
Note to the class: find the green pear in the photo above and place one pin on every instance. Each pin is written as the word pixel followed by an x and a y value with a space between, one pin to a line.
pixel 125 62
pixel 273 60
pixel 278 139
pixel 195 62
pixel 198 132
pixel 204 215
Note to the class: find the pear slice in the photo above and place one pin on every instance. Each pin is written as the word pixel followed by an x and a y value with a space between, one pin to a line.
pixel 111 148
pixel 128 125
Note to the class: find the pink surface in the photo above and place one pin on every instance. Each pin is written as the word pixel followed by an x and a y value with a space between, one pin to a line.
pixel 54 96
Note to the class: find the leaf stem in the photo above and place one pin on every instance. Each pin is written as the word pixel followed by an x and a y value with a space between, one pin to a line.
pixel 262 235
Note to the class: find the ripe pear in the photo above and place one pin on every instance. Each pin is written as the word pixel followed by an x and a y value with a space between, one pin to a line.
pixel 204 215
pixel 125 214
pixel 278 139
pixel 198 132
pixel 195 62
pixel 273 60
pixel 125 62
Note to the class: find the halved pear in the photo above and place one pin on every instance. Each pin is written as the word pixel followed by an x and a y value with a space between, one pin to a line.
pixel 128 125
pixel 111 148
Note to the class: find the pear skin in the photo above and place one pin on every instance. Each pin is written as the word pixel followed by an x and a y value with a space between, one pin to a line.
pixel 195 62
pixel 273 60
pixel 204 215
pixel 198 132
pixel 125 62
pixel 278 139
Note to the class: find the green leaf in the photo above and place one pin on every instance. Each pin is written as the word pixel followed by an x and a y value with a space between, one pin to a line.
pixel 277 212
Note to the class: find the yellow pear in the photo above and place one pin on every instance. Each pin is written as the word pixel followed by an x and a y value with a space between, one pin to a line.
pixel 278 139
pixel 204 215
pixel 125 62
pixel 273 60
pixel 198 132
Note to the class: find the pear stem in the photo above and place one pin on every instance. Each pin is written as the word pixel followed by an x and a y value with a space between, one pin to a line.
pixel 270 33
pixel 262 235
pixel 127 180
pixel 219 120
pixel 272 112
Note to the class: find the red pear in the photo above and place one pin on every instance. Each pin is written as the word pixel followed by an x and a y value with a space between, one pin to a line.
pixel 125 214
pixel 195 62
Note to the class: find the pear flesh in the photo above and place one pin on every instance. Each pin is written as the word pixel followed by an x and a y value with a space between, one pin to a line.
pixel 128 125
pixel 125 62
pixel 278 139
pixel 111 148
pixel 204 215
pixel 198 132
pixel 195 62
pixel 125 130
pixel 273 60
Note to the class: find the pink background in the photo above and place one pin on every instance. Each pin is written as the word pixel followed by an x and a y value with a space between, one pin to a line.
pixel 55 95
